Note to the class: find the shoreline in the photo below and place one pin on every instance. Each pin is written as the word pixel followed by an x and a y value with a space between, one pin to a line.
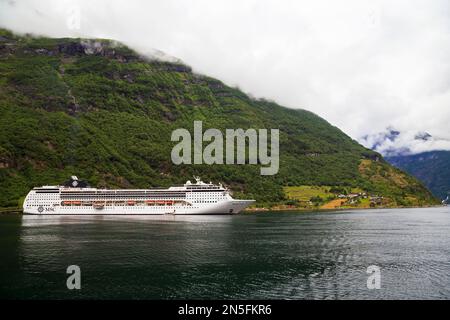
pixel 11 210
pixel 6 211
pixel 259 210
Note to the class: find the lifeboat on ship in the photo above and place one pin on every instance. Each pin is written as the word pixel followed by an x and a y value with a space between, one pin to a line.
pixel 99 205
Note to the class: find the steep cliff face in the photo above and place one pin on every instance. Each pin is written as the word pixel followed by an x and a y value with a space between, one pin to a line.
pixel 97 109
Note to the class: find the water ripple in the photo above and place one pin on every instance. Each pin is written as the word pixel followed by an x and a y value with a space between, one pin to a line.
pixel 255 256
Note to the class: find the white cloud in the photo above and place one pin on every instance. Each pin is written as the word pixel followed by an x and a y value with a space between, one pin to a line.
pixel 392 142
pixel 363 65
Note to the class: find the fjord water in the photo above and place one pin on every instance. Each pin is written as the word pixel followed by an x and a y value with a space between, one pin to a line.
pixel 249 256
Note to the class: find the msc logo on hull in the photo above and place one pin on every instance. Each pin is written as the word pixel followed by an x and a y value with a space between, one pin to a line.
pixel 42 209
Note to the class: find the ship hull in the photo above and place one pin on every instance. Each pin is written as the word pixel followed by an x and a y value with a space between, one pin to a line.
pixel 224 207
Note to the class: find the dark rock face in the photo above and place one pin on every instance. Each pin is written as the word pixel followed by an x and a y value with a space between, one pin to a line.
pixel 372 156
pixel 169 116
pixel 86 47
pixel 179 68
pixel 93 47
pixel 174 67
pixel 72 48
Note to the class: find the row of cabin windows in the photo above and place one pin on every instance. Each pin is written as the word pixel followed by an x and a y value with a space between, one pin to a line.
pixel 201 195
pixel 128 207
pixel 143 197
pixel 124 205
pixel 39 205
pixel 117 205
pixel 195 197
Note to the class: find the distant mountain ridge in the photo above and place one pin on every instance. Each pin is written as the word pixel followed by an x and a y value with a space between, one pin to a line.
pixel 432 168
pixel 403 151
pixel 101 111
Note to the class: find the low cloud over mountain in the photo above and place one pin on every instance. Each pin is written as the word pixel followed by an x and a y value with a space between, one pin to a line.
pixel 392 142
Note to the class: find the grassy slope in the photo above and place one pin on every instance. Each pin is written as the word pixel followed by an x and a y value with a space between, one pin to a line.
pixel 108 116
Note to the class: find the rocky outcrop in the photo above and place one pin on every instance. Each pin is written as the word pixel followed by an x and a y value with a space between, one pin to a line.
pixel 94 47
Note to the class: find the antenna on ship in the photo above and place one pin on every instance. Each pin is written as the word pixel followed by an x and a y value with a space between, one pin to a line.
pixel 197 179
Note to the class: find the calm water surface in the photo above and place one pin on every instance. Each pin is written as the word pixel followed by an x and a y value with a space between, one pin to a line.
pixel 251 256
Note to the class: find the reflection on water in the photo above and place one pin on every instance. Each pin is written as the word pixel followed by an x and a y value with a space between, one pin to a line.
pixel 36 220
pixel 251 256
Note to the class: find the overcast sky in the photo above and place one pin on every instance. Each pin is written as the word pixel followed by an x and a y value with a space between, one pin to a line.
pixel 362 65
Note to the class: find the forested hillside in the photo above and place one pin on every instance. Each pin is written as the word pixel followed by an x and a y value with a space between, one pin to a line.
pixel 99 110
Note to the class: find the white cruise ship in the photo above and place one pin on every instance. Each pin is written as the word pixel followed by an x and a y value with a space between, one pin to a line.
pixel 76 197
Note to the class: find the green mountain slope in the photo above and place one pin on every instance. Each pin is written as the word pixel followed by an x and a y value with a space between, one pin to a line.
pixel 99 110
